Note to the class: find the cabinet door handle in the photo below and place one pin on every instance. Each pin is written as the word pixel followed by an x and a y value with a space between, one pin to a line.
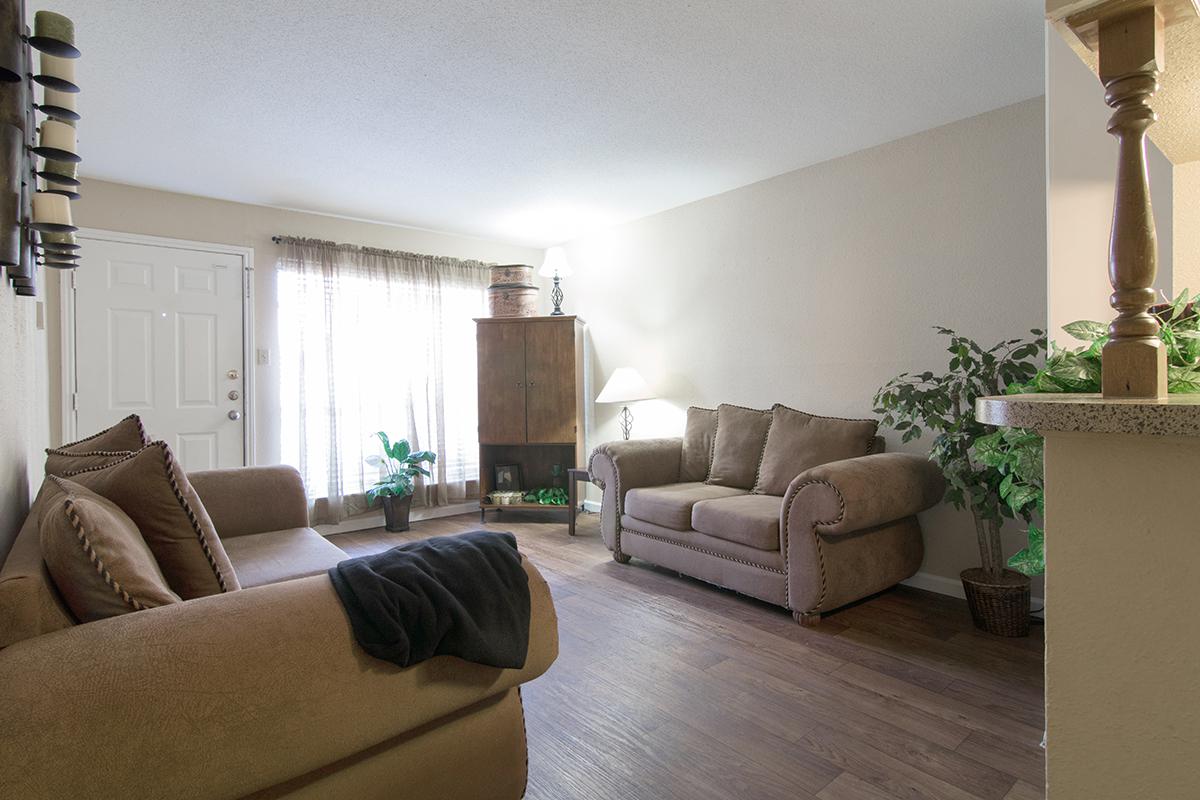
pixel 519 384
pixel 531 384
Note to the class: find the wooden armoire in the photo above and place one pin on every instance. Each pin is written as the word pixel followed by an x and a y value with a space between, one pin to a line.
pixel 530 401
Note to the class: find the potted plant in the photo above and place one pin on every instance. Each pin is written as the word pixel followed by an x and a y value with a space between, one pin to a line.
pixel 945 405
pixel 400 465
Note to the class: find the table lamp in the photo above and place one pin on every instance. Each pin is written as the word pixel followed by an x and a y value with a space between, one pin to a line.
pixel 555 265
pixel 625 386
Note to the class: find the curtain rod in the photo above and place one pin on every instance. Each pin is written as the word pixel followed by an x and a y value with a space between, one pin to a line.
pixel 379 251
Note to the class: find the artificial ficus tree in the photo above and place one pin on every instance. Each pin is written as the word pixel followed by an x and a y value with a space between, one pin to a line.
pixel 944 405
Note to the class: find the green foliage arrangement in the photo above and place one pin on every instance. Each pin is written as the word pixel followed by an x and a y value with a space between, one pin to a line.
pixel 945 406
pixel 1017 454
pixel 401 465
pixel 1078 370
pixel 548 497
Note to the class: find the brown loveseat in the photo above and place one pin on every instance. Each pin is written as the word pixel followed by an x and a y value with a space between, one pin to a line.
pixel 801 511
pixel 260 692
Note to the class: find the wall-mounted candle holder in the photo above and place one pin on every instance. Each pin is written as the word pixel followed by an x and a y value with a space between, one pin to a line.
pixel 56 141
pixel 60 105
pixel 57 73
pixel 63 242
pixel 65 173
pixel 54 34
pixel 36 228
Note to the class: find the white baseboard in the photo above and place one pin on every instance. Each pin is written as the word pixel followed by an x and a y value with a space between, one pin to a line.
pixel 952 587
pixel 592 506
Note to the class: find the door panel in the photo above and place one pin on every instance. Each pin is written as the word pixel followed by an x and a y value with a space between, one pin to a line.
pixel 158 332
pixel 501 382
pixel 550 373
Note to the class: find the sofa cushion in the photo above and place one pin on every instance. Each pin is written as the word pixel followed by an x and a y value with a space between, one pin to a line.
pixel 671 506
pixel 100 449
pixel 96 555
pixel 30 604
pixel 705 547
pixel 262 558
pixel 153 490
pixel 750 519
pixel 698 437
pixel 799 441
pixel 738 445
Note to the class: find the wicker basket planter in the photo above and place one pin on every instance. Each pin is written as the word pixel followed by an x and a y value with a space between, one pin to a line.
pixel 999 605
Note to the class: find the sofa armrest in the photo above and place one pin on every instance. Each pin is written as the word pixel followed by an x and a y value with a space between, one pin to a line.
pixel 848 528
pixel 618 467
pixel 248 500
pixel 223 696
pixel 860 493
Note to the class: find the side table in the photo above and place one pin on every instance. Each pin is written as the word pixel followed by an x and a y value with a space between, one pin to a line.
pixel 573 478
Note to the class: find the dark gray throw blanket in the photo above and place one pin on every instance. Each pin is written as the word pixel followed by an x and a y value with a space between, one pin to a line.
pixel 465 596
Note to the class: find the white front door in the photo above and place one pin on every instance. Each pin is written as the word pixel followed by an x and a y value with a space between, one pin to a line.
pixel 158 333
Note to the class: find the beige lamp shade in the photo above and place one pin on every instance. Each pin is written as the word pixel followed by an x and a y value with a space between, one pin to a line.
pixel 54 34
pixel 56 141
pixel 56 73
pixel 625 385
pixel 555 262
pixel 60 105
pixel 52 213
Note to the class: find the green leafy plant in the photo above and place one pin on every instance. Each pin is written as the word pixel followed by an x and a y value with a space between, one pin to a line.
pixel 547 497
pixel 400 465
pixel 1078 370
pixel 1018 453
pixel 945 406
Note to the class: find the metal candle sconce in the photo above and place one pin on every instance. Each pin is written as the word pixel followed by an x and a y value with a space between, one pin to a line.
pixel 36 228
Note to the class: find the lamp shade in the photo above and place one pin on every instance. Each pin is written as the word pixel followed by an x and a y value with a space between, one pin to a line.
pixel 555 261
pixel 625 385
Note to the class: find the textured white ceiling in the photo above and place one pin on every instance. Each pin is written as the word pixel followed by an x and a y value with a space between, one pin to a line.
pixel 524 121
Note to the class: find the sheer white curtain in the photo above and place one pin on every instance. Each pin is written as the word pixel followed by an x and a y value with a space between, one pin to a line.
pixel 375 340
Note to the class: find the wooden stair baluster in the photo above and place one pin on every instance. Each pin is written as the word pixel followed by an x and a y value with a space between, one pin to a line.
pixel 1131 56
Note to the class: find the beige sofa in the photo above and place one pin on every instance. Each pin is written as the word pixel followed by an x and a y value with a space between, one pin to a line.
pixel 827 535
pixel 260 692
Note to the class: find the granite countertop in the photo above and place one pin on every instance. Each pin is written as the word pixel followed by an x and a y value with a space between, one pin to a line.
pixel 1176 415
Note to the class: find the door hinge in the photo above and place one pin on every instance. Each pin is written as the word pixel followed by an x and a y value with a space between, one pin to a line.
pixel 74 401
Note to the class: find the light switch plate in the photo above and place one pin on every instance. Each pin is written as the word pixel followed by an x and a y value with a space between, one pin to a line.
pixel 263 357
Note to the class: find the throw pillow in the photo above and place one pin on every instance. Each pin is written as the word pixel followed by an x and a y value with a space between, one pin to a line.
pixel 100 449
pixel 800 441
pixel 738 445
pixel 697 444
pixel 96 555
pixel 153 490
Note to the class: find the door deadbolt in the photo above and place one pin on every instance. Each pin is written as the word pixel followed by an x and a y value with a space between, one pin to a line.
pixel 233 394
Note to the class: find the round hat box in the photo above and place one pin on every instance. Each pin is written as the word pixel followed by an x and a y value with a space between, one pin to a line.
pixel 513 292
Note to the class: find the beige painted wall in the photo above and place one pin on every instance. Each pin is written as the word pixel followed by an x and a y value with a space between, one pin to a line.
pixel 23 419
pixel 1081 169
pixel 1122 700
pixel 117 207
pixel 815 287
pixel 1187 226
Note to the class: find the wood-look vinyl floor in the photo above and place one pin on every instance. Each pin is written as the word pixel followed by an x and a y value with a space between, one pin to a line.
pixel 666 687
